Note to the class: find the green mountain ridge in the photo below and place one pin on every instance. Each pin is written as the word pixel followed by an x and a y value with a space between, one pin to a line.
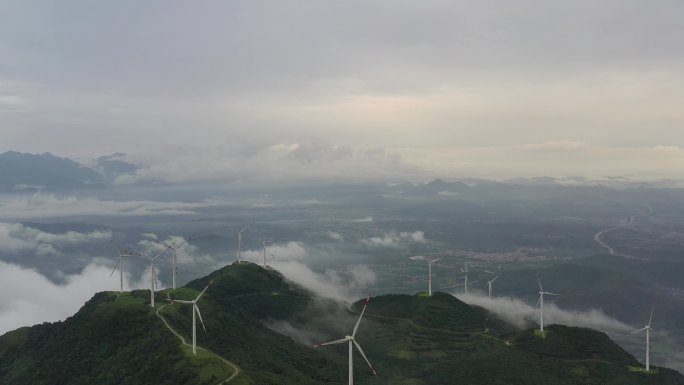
pixel 410 339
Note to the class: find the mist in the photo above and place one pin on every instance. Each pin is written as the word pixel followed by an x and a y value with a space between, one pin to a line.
pixel 519 313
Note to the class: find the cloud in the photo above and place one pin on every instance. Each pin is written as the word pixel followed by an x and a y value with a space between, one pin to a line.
pixel 271 162
pixel 186 252
pixel 42 206
pixel 31 298
pixel 290 251
pixel 521 314
pixel 363 220
pixel 15 237
pixel 395 240
pixel 335 236
pixel 291 260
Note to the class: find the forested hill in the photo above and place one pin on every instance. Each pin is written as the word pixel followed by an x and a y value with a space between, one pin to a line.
pixel 412 340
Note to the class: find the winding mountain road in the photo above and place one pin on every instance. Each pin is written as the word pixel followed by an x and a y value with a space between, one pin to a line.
pixel 236 368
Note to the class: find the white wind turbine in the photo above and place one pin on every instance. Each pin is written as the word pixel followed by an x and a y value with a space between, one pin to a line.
pixel 350 339
pixel 648 338
pixel 489 284
pixel 429 261
pixel 541 303
pixel 239 251
pixel 122 255
pixel 195 311
pixel 263 251
pixel 153 274
pixel 173 247
pixel 465 279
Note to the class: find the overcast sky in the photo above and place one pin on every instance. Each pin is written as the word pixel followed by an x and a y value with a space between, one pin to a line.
pixel 389 87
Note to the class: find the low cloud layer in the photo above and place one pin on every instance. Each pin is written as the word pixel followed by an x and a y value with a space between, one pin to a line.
pixel 273 162
pixel 42 206
pixel 395 240
pixel 521 314
pixel 15 237
pixel 291 260
pixel 31 298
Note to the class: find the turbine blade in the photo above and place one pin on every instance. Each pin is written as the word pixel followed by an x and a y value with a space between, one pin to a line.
pixel 538 300
pixel 343 340
pixel 435 260
pixel 494 279
pixel 356 327
pixel 205 289
pixel 637 331
pixel 161 243
pixel 116 267
pixel 180 244
pixel 181 301
pixel 159 255
pixel 549 293
pixel 364 357
pixel 540 286
pixel 651 317
pixel 200 316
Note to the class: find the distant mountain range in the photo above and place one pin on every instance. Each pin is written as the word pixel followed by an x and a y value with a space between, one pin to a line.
pixel 24 171
pixel 410 339
pixel 21 171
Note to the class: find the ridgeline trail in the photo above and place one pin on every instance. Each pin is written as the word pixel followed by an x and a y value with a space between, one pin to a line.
pixel 236 369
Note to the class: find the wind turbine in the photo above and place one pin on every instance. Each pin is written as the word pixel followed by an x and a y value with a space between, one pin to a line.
pixel 541 302
pixel 465 279
pixel 648 338
pixel 153 274
pixel 122 255
pixel 173 247
pixel 195 309
pixel 263 251
pixel 489 284
pixel 429 261
pixel 239 251
pixel 350 339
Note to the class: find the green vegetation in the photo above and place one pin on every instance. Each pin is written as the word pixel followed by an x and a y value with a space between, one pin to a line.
pixel 410 339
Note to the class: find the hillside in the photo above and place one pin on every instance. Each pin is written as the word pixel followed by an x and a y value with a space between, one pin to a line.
pixel 410 339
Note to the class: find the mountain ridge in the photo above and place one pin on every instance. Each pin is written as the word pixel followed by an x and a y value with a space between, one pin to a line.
pixel 410 339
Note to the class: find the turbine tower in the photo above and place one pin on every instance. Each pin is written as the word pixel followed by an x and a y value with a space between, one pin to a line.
pixel 489 284
pixel 541 302
pixel 429 261
pixel 196 310
pixel 648 339
pixel 465 279
pixel 173 247
pixel 153 274
pixel 122 254
pixel 239 251
pixel 352 341
pixel 263 251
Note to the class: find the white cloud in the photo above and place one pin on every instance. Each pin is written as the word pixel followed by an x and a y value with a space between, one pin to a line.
pixel 335 236
pixel 395 240
pixel 41 206
pixel 17 237
pixel 363 220
pixel 521 314
pixel 290 259
pixel 31 298
pixel 273 162
pixel 186 253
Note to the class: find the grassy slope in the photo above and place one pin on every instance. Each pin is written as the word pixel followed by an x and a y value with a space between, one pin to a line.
pixel 112 340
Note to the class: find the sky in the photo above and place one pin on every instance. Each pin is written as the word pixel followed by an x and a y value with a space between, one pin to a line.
pixel 387 88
